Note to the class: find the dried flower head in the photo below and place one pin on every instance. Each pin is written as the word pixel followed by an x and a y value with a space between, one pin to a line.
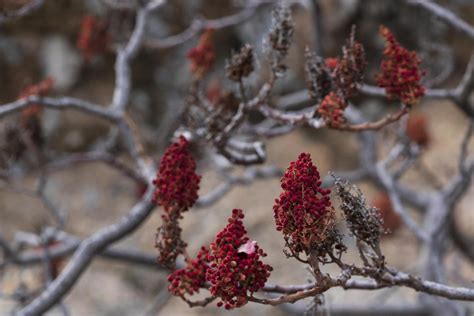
pixel 318 76
pixel 332 109
pixel 400 71
pixel 240 64
pixel 303 213
pixel 94 37
pixel 391 220
pixel 282 29
pixel 202 56
pixel 363 221
pixel 417 129
pixel 280 38
pixel 168 239
pixel 176 181
pixel 192 278
pixel 349 69
pixel 235 271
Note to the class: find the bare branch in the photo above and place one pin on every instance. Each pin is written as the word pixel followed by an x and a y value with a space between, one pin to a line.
pixel 250 174
pixel 61 103
pixel 125 55
pixel 446 15
pixel 200 24
pixel 84 254
pixel 25 10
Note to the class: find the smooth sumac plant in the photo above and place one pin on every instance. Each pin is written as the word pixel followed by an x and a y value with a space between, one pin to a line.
pixel 202 103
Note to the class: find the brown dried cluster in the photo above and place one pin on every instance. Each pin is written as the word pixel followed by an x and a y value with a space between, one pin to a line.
pixel 349 70
pixel 333 81
pixel 318 76
pixel 240 64
pixel 363 221
pixel 280 37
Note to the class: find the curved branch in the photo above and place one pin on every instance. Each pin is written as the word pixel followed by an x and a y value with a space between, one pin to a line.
pixel 446 15
pixel 84 255
pixel 60 103
pixel 21 12
pixel 295 293
pixel 373 126
pixel 199 24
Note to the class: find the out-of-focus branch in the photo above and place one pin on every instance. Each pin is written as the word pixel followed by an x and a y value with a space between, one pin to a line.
pixel 66 247
pixel 125 55
pixel 200 24
pixel 27 9
pixel 61 103
pixel 85 253
pixel 446 15
pixel 107 159
pixel 250 174
pixel 462 241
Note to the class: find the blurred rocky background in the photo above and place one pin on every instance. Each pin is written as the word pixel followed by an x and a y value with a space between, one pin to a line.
pixel 43 44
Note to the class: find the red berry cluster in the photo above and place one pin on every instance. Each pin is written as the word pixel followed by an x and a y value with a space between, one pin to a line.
pixel 235 269
pixel 332 109
pixel 93 38
pixel 401 72
pixel 202 56
pixel 176 182
pixel 177 185
pixel 40 89
pixel 302 206
pixel 231 266
pixel 192 278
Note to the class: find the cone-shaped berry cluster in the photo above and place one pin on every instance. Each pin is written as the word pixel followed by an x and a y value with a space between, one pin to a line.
pixel 177 185
pixel 176 182
pixel 400 71
pixel 301 210
pixel 232 267
pixel 236 270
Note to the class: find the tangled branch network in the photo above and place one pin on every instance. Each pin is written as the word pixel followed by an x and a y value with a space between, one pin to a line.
pixel 232 268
